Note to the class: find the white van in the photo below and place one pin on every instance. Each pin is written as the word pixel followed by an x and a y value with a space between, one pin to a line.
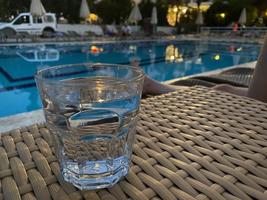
pixel 44 25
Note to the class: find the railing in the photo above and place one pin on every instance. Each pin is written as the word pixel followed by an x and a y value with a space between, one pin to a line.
pixel 256 31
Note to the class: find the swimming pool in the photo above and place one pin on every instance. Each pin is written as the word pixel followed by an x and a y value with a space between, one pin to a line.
pixel 161 60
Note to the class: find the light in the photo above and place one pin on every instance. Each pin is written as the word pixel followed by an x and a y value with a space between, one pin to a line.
pixel 222 15
pixel 99 92
pixel 132 48
pixel 175 13
pixel 265 13
pixel 239 49
pixel 198 61
pixel 11 17
pixel 172 15
pixel 96 50
pixel 175 9
pixel 173 55
pixel 180 59
pixel 92 18
pixel 184 10
pixel 204 6
pixel 217 57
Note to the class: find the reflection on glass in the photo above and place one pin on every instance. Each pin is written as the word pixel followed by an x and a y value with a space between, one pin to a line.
pixel 236 59
pixel 132 48
pixel 34 101
pixel 198 61
pixel 152 55
pixel 232 48
pixel 172 54
pixel 96 50
pixel 39 55
pixel 217 57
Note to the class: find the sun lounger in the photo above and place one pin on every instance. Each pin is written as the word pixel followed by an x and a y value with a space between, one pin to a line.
pixel 76 35
pixel 64 37
pixel 2 37
pixel 193 82
pixel 10 35
pixel 26 37
pixel 240 77
pixel 90 34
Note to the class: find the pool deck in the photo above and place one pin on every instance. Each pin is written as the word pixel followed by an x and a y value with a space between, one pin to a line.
pixel 99 40
pixel 21 120
pixel 26 119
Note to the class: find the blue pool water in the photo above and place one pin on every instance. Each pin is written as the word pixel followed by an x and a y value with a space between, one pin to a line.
pixel 162 60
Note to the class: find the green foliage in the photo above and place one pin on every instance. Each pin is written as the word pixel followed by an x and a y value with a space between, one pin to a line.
pixel 113 10
pixel 162 9
pixel 212 16
pixel 232 10
pixel 261 5
pixel 119 10
pixel 69 8
pixel 9 7
pixel 189 17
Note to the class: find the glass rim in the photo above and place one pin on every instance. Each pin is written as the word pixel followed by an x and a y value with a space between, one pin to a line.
pixel 38 76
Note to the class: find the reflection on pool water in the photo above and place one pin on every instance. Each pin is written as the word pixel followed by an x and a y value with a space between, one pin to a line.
pixel 162 60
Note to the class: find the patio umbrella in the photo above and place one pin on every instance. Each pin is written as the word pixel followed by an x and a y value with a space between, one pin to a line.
pixel 37 8
pixel 135 15
pixel 84 10
pixel 97 1
pixel 154 16
pixel 243 17
pixel 200 20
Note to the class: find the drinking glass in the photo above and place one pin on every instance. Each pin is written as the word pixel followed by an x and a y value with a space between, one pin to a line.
pixel 91 110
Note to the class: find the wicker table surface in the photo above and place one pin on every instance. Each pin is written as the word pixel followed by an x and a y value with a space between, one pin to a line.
pixel 191 144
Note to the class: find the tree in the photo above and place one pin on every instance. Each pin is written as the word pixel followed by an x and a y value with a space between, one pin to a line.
pixel 108 10
pixel 223 13
pixel 119 10
pixel 162 7
pixel 9 7
pixel 261 5
pixel 113 10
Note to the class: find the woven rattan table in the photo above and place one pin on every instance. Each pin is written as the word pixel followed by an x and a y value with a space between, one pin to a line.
pixel 191 144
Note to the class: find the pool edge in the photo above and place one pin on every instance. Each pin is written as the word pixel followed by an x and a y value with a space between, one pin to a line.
pixel 34 117
pixel 21 120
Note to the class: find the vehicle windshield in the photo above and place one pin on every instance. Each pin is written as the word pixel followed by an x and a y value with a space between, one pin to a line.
pixel 24 19
pixel 7 20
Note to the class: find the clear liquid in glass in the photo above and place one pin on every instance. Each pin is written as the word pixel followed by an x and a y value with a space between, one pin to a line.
pixel 93 130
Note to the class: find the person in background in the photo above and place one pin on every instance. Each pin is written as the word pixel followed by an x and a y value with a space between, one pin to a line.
pixel 126 30
pixel 235 27
pixel 257 89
